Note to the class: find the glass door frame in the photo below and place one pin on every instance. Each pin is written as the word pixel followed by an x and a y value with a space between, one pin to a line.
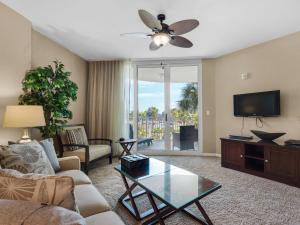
pixel 167 64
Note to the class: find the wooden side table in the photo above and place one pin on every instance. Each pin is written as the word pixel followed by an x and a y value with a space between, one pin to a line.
pixel 127 146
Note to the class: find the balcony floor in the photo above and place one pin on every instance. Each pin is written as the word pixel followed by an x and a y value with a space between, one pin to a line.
pixel 159 145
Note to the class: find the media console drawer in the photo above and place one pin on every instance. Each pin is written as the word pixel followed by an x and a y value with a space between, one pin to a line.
pixel 272 160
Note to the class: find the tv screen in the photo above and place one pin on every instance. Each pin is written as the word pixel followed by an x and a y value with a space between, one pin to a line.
pixel 259 104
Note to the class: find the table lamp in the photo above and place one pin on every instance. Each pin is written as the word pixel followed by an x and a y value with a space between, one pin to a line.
pixel 24 116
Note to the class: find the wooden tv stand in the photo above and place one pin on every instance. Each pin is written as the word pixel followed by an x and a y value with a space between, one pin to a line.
pixel 272 160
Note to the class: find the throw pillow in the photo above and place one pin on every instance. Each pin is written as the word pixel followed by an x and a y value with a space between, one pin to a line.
pixel 76 136
pixel 26 158
pixel 50 151
pixel 49 190
pixel 14 212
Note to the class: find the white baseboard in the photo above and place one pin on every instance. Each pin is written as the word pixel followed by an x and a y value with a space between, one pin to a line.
pixel 211 154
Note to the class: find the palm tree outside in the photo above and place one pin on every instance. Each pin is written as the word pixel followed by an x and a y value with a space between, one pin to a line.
pixel 189 101
pixel 152 113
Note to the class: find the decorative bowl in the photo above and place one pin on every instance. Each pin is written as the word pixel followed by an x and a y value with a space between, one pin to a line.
pixel 267 136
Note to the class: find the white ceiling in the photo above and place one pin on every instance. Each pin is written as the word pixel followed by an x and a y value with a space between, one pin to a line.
pixel 92 28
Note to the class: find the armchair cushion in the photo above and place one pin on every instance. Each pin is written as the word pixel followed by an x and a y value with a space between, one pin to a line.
pixel 96 151
pixel 76 136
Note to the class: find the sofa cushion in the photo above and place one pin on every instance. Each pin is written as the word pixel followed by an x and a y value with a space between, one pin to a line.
pixel 14 212
pixel 50 151
pixel 78 176
pixel 26 158
pixel 105 218
pixel 49 190
pixel 96 151
pixel 89 200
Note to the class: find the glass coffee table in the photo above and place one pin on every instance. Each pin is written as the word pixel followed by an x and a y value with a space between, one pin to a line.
pixel 176 188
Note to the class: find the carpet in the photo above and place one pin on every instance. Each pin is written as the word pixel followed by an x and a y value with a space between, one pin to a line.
pixel 243 199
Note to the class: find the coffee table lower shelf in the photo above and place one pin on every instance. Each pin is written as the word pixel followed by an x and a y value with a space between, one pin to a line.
pixel 158 212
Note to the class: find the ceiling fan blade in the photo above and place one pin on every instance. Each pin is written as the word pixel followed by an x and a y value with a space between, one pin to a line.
pixel 136 34
pixel 149 20
pixel 153 46
pixel 180 42
pixel 184 26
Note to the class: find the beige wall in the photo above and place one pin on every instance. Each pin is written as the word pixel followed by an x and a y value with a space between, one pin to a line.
pixel 44 51
pixel 209 121
pixel 22 48
pixel 15 57
pixel 272 65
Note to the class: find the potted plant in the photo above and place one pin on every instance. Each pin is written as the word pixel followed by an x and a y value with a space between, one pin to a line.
pixel 52 88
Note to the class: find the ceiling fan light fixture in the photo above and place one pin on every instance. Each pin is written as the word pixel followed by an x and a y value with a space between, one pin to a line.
pixel 161 39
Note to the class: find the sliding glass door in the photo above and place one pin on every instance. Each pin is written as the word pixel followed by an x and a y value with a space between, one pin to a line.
pixel 151 123
pixel 167 108
pixel 184 108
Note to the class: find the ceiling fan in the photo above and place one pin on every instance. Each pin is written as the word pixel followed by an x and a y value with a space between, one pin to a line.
pixel 164 33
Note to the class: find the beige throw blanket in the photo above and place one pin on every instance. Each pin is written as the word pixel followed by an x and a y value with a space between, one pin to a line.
pixel 13 212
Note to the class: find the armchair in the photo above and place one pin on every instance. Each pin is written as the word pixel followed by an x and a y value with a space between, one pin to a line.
pixel 97 148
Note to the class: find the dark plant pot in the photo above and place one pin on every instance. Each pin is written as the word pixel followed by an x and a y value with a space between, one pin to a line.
pixel 267 136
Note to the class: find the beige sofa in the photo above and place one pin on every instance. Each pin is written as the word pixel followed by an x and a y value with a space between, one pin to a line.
pixel 91 204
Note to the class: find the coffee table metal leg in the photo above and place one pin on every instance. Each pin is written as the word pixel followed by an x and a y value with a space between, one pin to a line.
pixel 128 190
pixel 204 219
pixel 123 196
pixel 160 215
pixel 156 211
pixel 165 213
pixel 132 208
pixel 203 213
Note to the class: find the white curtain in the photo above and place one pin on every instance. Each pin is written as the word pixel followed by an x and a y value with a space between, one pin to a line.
pixel 120 123
pixel 108 100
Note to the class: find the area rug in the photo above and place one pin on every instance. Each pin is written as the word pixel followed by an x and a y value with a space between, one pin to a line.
pixel 243 199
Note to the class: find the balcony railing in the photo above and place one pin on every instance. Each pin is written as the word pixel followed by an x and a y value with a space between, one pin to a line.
pixel 155 128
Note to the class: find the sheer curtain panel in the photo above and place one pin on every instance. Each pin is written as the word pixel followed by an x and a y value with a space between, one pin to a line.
pixel 107 98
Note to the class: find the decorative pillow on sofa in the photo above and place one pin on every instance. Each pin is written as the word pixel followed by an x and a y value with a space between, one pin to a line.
pixel 50 190
pixel 14 212
pixel 26 158
pixel 76 136
pixel 48 146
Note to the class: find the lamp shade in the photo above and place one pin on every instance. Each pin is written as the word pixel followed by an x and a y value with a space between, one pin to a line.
pixel 24 116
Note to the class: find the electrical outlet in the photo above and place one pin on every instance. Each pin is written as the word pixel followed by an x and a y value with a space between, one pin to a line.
pixel 244 76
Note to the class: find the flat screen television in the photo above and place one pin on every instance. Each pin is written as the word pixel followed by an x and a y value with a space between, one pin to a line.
pixel 259 104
